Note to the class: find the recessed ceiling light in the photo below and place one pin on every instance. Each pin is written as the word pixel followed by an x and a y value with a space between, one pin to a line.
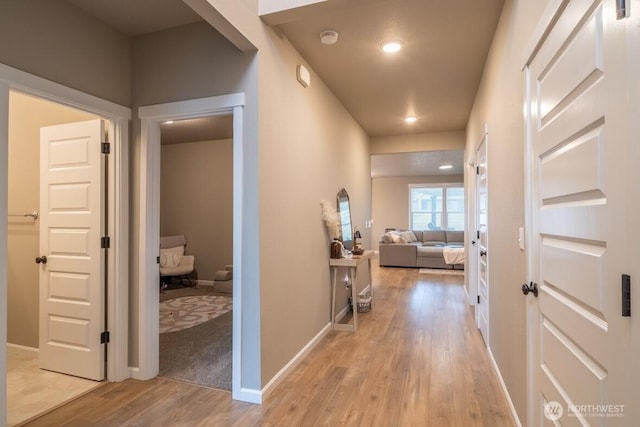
pixel 168 122
pixel 392 46
pixel 443 167
pixel 411 119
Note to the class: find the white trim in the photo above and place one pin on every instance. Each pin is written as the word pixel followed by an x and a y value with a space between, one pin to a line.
pixel 4 190
pixel 289 367
pixel 118 283
pixel 237 391
pixel 471 254
pixel 530 313
pixel 444 186
pixel 118 260
pixel 503 386
pixel 46 89
pixel 248 395
pixel 151 116
pixel 484 140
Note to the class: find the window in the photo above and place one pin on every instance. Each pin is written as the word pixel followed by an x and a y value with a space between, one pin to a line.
pixel 436 207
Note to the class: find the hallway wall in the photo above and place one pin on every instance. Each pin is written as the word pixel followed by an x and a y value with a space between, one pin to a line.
pixel 58 41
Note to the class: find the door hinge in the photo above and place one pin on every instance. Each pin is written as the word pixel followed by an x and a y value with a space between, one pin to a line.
pixel 105 242
pixel 104 337
pixel 478 299
pixel 477 170
pixel 157 260
pixel 478 234
pixel 621 9
pixel 106 148
pixel 626 295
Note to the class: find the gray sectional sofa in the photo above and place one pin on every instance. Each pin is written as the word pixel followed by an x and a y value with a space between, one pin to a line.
pixel 425 252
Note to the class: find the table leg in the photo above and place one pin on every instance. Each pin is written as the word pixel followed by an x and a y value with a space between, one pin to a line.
pixel 353 273
pixel 333 296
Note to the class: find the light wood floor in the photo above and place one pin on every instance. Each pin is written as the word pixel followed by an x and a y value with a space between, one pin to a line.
pixel 32 391
pixel 416 360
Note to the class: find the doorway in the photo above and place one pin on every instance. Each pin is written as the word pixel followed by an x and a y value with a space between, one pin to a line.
pixel 196 202
pixel 148 277
pixel 117 266
pixel 27 382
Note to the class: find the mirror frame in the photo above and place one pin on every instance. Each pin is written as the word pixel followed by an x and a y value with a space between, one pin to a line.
pixel 344 210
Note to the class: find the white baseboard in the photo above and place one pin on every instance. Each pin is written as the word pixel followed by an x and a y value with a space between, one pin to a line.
pixel 249 395
pixel 514 413
pixel 23 347
pixel 286 370
pixel 201 282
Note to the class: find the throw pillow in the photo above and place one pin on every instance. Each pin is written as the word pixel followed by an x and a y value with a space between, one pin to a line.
pixel 397 238
pixel 386 238
pixel 408 236
pixel 169 260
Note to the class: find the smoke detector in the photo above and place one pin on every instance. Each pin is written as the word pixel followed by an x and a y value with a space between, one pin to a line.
pixel 329 37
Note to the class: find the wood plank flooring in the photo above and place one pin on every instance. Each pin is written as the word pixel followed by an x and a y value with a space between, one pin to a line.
pixel 416 360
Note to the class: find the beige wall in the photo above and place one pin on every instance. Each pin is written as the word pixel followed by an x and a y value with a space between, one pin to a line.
pixel 310 147
pixel 187 62
pixel 390 200
pixel 196 200
pixel 58 41
pixel 434 141
pixel 26 116
pixel 499 104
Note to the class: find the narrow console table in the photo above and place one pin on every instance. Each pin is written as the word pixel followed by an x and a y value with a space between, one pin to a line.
pixel 352 266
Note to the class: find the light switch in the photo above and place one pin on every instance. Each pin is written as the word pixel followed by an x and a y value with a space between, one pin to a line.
pixel 521 238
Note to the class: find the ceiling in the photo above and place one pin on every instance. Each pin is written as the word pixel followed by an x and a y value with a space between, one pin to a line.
pixel 196 130
pixel 434 77
pixel 136 17
pixel 417 164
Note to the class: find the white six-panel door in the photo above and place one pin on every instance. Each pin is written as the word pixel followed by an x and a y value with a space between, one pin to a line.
pixel 578 134
pixel 482 308
pixel 72 283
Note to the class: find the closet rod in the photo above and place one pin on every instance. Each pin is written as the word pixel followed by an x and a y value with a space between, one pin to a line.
pixel 33 215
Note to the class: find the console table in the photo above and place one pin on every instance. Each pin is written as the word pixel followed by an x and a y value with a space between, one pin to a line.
pixel 352 267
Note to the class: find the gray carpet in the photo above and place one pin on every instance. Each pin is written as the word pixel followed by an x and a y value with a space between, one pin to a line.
pixel 201 354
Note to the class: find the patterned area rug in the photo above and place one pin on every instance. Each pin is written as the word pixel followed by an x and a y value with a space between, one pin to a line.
pixel 186 312
pixel 441 271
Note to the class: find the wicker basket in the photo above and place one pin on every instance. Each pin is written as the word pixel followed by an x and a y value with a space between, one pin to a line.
pixel 364 303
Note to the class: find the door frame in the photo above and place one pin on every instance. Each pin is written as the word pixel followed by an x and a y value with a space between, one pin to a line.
pixel 471 267
pixel 118 211
pixel 484 139
pixel 149 218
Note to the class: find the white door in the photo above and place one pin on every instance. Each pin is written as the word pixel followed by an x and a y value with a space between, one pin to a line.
pixel 579 354
pixel 482 307
pixel 72 280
